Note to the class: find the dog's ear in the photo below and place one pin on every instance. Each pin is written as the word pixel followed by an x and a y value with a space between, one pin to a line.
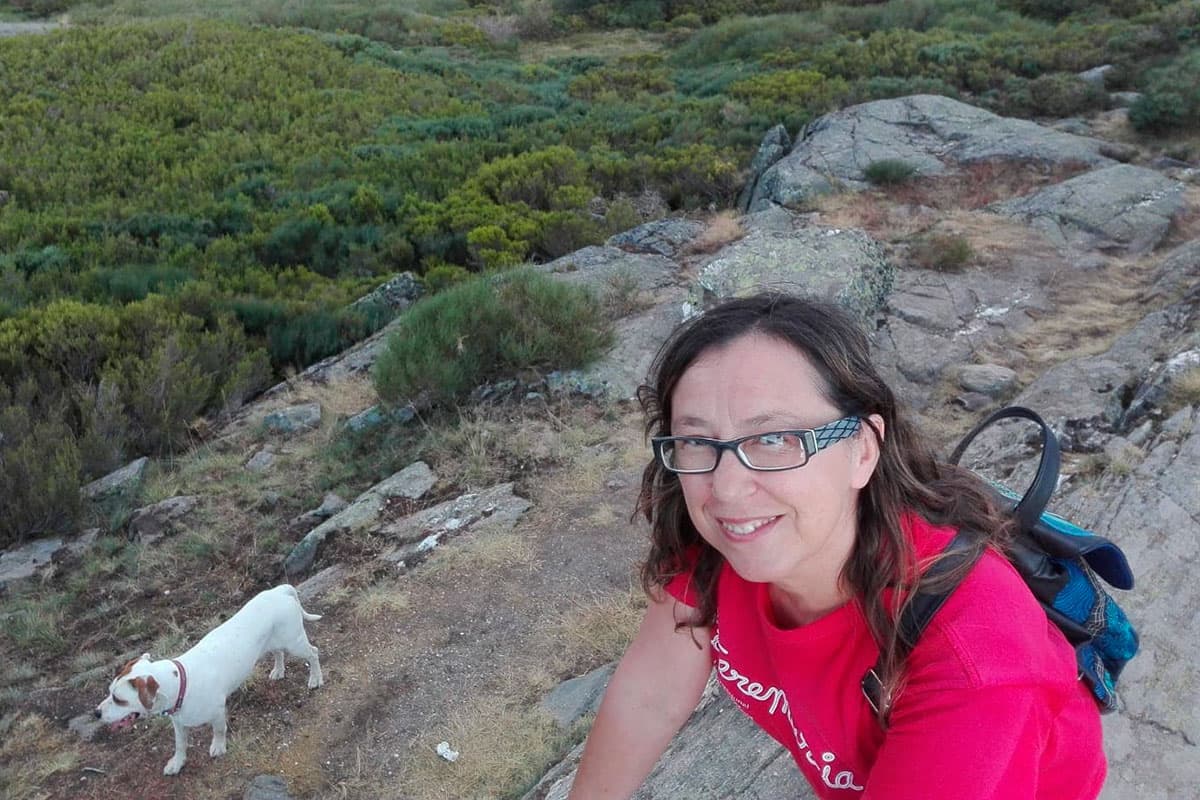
pixel 128 666
pixel 147 689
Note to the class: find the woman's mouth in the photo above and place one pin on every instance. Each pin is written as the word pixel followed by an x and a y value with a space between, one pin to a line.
pixel 744 529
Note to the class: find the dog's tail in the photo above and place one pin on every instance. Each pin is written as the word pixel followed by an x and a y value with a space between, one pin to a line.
pixel 292 591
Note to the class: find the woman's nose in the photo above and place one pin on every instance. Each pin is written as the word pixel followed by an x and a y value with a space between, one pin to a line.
pixel 731 478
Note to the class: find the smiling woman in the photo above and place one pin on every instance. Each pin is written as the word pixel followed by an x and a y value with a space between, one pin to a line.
pixel 786 568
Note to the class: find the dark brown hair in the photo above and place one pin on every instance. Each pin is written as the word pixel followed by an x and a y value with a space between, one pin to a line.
pixel 907 478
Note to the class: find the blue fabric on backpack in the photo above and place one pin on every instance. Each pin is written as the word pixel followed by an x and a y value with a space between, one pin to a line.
pixel 1064 564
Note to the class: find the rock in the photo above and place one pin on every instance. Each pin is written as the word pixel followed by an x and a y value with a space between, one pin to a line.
pixel 150 523
pixel 843 265
pixel 267 787
pixel 494 509
pixel 410 483
pixel 1095 75
pixel 573 698
pixel 992 380
pixel 377 415
pixel 126 480
pixel 973 401
pixel 397 294
pixel 293 418
pixel 1177 273
pixel 27 560
pixel 933 134
pixel 600 268
pixel 329 578
pixel 719 753
pixel 1124 100
pixel 624 367
pixel 1121 207
pixel 1152 513
pixel 262 461
pixel 663 237
pixel 773 147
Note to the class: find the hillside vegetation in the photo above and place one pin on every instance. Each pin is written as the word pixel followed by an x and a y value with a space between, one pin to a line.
pixel 191 196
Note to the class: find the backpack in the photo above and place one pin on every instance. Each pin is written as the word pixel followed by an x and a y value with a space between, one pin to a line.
pixel 1062 564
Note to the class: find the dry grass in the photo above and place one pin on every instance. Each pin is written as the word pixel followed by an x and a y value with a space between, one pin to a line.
pixel 489 551
pixel 31 750
pixel 502 749
pixel 608 45
pixel 380 598
pixel 722 229
pixel 1084 322
pixel 977 185
pixel 596 630
pixel 1185 389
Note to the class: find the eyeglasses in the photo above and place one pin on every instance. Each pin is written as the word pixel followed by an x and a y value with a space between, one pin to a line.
pixel 765 452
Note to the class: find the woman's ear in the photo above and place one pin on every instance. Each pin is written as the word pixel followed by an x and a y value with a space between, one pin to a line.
pixel 867 450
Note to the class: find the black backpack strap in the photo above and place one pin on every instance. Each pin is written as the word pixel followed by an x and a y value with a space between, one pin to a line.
pixel 1037 496
pixel 917 615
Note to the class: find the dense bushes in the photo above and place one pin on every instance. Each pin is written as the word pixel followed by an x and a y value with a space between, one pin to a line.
pixel 96 385
pixel 489 328
pixel 1172 97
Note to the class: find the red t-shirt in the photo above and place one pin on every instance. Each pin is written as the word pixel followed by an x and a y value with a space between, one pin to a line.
pixel 991 708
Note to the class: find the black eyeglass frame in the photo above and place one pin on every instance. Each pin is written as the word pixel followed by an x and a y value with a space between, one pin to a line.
pixel 814 440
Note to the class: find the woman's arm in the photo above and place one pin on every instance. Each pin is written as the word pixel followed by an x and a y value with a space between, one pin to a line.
pixel 653 691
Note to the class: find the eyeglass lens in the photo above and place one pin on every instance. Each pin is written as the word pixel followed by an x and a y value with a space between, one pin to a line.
pixel 769 451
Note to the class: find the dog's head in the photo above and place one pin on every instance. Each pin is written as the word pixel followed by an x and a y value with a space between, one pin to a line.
pixel 131 695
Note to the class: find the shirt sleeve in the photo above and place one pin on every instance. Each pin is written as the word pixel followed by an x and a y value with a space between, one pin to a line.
pixel 964 744
pixel 681 586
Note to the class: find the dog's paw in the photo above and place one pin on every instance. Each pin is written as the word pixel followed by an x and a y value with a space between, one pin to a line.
pixel 216 749
pixel 314 681
pixel 173 766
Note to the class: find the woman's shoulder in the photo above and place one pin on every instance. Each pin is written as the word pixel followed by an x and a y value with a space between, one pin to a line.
pixel 992 631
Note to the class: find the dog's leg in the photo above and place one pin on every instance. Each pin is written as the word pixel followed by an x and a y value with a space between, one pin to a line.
pixel 218 725
pixel 302 648
pixel 177 761
pixel 277 672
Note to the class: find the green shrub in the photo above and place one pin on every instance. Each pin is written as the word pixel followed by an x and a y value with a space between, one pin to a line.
pixel 440 277
pixel 889 172
pixel 39 466
pixel 1063 95
pixel 486 329
pixel 1171 99
pixel 1159 112
pixel 942 252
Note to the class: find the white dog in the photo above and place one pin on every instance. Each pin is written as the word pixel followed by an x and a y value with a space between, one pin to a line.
pixel 192 688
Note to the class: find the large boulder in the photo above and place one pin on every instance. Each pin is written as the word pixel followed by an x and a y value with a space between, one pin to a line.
pixel 933 134
pixel 1121 207
pixel 839 264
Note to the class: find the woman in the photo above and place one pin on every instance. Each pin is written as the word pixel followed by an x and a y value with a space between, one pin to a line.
pixel 792 510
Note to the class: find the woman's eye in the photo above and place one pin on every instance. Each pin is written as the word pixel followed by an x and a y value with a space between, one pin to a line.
pixel 772 440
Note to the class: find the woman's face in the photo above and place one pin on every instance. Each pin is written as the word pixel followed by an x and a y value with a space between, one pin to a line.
pixel 794 528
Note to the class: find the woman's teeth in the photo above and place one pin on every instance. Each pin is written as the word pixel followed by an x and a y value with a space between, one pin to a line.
pixel 746 528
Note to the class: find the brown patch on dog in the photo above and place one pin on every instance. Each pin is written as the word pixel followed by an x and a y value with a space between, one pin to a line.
pixel 147 688
pixel 128 666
